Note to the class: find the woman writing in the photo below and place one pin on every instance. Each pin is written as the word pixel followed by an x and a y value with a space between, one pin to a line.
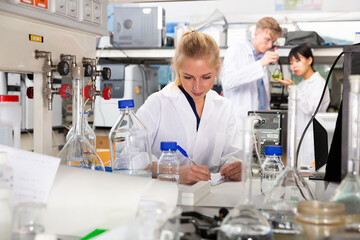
pixel 310 89
pixel 197 118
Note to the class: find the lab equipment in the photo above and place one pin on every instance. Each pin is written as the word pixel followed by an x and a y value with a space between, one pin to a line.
pixel 289 187
pixel 129 143
pixel 5 216
pixel 28 220
pixel 10 120
pixel 78 151
pixel 270 129
pixel 139 27
pixel 6 172
pixel 320 219
pixel 348 191
pixel 135 82
pixel 271 167
pixel 88 132
pixel 168 164
pixel 276 73
pixel 245 221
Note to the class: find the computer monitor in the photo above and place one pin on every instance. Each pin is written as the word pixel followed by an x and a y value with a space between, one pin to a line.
pixel 328 121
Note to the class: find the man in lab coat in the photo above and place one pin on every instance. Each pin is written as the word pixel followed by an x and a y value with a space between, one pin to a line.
pixel 245 75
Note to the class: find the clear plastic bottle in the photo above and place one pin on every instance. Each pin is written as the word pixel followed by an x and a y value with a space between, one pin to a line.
pixel 129 143
pixel 245 221
pixel 88 132
pixel 168 164
pixel 271 167
pixel 5 214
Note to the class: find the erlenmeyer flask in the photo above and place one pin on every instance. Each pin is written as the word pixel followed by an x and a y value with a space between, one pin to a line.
pixel 78 152
pixel 289 187
pixel 276 73
pixel 245 221
pixel 348 191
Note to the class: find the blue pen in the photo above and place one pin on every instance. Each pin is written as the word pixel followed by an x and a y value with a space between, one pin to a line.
pixel 185 154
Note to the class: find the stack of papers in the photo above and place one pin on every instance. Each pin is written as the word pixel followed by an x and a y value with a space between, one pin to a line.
pixel 191 194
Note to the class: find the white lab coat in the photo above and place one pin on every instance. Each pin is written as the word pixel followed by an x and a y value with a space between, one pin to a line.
pixel 168 116
pixel 239 75
pixel 309 93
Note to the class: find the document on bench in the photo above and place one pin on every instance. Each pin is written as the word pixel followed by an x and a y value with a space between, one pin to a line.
pixel 34 174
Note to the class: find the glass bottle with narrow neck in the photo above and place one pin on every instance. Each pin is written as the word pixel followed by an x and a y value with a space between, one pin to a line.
pixel 78 152
pixel 348 191
pixel 245 221
pixel 88 132
pixel 129 143
pixel 289 187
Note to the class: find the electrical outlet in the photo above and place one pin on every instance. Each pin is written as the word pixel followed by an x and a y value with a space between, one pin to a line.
pixel 58 6
pixel 97 12
pixel 72 8
pixel 85 10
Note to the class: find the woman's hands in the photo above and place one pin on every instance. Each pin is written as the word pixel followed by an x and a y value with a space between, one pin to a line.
pixel 193 173
pixel 286 82
pixel 232 171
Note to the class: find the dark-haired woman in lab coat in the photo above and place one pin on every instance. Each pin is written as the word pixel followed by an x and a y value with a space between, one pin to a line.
pixel 310 89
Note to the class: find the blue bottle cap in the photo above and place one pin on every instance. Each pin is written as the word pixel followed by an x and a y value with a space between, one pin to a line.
pixel 168 146
pixel 126 103
pixel 273 150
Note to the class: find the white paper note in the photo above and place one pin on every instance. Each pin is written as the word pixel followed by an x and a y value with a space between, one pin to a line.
pixel 34 174
pixel 216 179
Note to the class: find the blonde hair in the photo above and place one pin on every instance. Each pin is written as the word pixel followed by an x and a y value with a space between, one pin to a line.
pixel 271 24
pixel 194 44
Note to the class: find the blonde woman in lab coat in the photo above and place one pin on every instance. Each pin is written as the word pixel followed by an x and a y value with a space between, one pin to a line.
pixel 310 89
pixel 197 118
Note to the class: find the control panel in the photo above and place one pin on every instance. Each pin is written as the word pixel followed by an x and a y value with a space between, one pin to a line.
pixel 85 15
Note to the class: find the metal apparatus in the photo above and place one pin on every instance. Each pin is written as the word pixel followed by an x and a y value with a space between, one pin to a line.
pixel 46 32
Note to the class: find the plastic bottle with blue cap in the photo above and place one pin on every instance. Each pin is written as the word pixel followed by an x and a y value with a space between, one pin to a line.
pixel 129 143
pixel 168 164
pixel 271 167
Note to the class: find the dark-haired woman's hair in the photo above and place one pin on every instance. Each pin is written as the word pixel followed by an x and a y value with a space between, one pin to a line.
pixel 304 51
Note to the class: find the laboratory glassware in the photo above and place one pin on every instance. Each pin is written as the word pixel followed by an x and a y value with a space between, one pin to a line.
pixel 88 132
pixel 289 187
pixel 10 120
pixel 271 167
pixel 6 214
pixel 276 73
pixel 129 143
pixel 168 164
pixel 78 152
pixel 320 219
pixel 348 192
pixel 245 221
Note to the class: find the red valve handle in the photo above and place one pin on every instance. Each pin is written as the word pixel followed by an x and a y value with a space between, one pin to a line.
pixel 89 91
pixel 107 93
pixel 30 92
pixel 65 91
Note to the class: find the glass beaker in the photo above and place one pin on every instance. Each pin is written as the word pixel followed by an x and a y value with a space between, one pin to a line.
pixel 348 191
pixel 289 187
pixel 78 152
pixel 245 221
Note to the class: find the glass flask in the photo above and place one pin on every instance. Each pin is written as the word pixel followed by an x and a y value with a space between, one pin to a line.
pixel 78 152
pixel 348 192
pixel 289 187
pixel 168 164
pixel 276 73
pixel 129 143
pixel 245 221
pixel 88 132
pixel 271 167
